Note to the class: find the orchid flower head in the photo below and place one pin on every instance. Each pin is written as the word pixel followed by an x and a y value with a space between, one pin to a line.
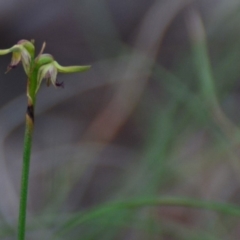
pixel 42 67
pixel 22 51
pixel 49 69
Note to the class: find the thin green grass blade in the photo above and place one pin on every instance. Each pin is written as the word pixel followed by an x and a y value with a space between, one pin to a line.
pixel 80 218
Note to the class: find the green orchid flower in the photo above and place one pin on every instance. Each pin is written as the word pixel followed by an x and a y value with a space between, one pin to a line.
pixel 50 69
pixel 22 51
pixel 44 65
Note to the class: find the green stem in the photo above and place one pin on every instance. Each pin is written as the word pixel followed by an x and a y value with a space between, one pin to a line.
pixel 25 175
pixel 31 96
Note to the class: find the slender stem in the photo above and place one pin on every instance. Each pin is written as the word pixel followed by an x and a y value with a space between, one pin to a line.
pixel 25 173
pixel 31 96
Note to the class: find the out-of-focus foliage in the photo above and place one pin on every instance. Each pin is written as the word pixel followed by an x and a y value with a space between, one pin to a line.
pixel 157 116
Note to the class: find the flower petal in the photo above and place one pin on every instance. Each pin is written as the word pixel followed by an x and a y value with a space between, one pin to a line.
pixel 26 60
pixel 16 57
pixel 5 51
pixel 49 72
pixel 71 69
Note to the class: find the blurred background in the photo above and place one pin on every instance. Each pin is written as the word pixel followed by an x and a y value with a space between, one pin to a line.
pixel 157 115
